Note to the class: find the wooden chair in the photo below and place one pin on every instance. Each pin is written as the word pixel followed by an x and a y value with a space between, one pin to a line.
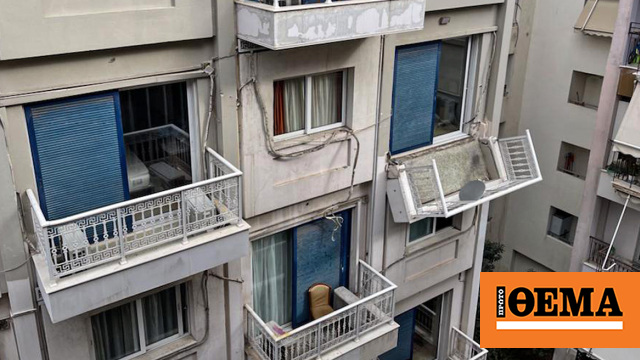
pixel 319 300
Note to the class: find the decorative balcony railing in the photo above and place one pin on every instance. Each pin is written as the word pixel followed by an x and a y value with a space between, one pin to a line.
pixel 464 348
pixel 111 233
pixel 288 3
pixel 375 307
pixel 597 253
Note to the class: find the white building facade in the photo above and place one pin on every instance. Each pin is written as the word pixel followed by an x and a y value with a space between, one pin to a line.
pixel 178 176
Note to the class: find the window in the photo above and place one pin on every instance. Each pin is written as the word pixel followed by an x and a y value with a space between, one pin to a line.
pixel 286 264
pixel 424 228
pixel 157 145
pixel 429 92
pixel 573 160
pixel 309 104
pixel 585 89
pixel 562 225
pixel 133 328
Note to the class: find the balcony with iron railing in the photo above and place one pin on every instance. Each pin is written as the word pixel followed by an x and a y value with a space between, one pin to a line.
pixel 287 24
pixel 598 252
pixel 356 324
pixel 139 244
pixel 464 348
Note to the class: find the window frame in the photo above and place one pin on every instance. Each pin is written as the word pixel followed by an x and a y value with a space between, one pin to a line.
pixel 308 103
pixel 433 233
pixel 465 94
pixel 144 347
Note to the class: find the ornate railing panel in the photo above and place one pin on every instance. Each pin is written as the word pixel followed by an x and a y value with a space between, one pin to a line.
pixel 597 253
pixel 375 307
pixel 111 233
pixel 464 348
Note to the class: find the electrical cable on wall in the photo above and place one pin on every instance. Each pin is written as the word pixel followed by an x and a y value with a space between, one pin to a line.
pixel 332 138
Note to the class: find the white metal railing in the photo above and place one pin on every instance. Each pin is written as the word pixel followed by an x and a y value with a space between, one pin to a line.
pixel 113 232
pixel 464 348
pixel 375 307
pixel 298 4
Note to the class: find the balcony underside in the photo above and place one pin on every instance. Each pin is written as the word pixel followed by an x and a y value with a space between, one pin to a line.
pixel 112 282
pixel 303 25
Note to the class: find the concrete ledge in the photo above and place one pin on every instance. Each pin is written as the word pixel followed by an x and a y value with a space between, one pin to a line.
pixel 95 288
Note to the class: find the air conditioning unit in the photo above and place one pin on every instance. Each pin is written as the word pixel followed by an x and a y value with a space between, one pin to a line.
pixel 560 225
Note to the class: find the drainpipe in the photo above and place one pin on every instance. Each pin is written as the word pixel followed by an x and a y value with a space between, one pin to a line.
pixel 601 134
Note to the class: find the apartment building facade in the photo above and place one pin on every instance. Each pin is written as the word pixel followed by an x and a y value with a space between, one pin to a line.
pixel 179 176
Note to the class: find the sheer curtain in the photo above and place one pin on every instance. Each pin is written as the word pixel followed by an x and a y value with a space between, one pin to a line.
pixel 288 106
pixel 160 315
pixel 326 92
pixel 115 332
pixel 271 260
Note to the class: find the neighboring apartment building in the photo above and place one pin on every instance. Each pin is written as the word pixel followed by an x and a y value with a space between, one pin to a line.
pixel 178 175
pixel 561 56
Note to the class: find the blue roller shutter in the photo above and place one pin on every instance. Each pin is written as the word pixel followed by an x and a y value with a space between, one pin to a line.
pixel 78 154
pixel 415 86
pixel 318 259
pixel 404 348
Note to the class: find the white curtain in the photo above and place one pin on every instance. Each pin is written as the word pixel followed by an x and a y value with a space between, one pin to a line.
pixel 271 260
pixel 160 315
pixel 326 107
pixel 294 105
pixel 115 332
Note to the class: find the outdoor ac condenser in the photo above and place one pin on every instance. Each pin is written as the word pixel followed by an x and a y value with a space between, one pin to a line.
pixel 560 225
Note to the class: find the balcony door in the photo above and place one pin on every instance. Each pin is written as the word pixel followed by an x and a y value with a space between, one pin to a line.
pixel 286 264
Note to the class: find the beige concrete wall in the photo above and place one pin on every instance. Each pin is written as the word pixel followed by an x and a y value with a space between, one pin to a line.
pixel 31 28
pixel 269 183
pixel 556 50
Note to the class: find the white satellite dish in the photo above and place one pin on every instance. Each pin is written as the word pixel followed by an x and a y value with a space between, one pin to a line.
pixel 472 191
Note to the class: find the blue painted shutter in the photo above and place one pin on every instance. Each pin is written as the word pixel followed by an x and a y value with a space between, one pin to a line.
pixel 78 154
pixel 318 259
pixel 415 86
pixel 404 349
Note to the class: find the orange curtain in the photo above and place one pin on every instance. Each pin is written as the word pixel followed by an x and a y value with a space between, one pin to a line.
pixel 278 108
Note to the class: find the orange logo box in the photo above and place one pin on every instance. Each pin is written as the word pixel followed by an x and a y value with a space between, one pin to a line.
pixel 560 310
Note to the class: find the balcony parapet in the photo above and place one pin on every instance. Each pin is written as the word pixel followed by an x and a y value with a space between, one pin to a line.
pixel 374 308
pixel 274 26
pixel 114 232
pixel 464 348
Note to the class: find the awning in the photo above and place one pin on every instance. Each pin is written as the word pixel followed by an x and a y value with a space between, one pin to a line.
pixel 598 17
pixel 429 184
pixel 627 139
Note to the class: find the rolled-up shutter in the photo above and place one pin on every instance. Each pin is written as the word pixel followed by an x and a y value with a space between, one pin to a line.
pixel 78 154
pixel 415 86
pixel 320 256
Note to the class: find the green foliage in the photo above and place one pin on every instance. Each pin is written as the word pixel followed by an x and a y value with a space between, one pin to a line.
pixel 492 254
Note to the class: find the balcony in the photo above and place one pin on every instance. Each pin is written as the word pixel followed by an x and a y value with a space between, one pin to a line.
pixel 115 252
pixel 598 251
pixel 437 181
pixel 288 24
pixel 464 348
pixel 365 322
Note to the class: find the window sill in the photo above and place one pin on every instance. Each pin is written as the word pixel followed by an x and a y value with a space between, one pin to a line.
pixel 440 236
pixel 168 349
pixel 284 142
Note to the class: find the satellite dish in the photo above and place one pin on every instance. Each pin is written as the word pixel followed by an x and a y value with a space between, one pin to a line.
pixel 472 191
